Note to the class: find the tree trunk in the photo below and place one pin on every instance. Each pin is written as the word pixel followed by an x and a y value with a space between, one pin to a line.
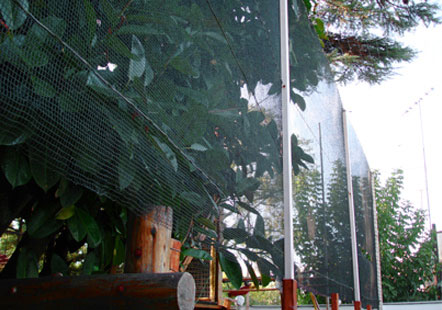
pixel 148 241
pixel 154 291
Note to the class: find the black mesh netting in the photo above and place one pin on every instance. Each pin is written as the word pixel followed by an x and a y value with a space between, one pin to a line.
pixel 149 103
pixel 322 225
pixel 364 213
pixel 177 103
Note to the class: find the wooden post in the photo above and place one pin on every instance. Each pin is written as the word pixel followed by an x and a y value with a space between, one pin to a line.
pixel 155 291
pixel 148 241
pixel 357 305
pixel 335 301
pixel 175 250
pixel 289 297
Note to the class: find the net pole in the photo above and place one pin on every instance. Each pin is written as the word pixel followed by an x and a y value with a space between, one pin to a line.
pixel 287 165
pixel 425 163
pixel 289 283
pixel 376 244
pixel 351 207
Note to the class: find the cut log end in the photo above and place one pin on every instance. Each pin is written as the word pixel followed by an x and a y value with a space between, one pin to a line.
pixel 186 292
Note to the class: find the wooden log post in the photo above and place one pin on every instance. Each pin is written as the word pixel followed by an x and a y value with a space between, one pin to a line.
pixel 335 301
pixel 175 250
pixel 148 241
pixel 155 291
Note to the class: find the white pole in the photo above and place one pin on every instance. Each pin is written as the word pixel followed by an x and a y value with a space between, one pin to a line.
pixel 377 248
pixel 286 144
pixel 425 164
pixel 351 207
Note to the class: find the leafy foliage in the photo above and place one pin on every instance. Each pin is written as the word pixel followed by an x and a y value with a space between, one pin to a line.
pixel 408 257
pixel 167 125
pixel 348 31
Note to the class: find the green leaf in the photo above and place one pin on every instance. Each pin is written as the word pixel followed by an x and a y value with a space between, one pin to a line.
pixel 197 253
pixel 299 100
pixel 68 103
pixel 237 234
pixel 106 249
pixel 50 227
pixel 92 228
pixel 206 222
pixel 253 275
pixel 229 207
pixel 95 83
pixel 66 213
pixel 148 75
pixel 76 227
pixel 42 222
pixel 230 114
pixel 17 136
pixel 208 232
pixel 247 207
pixel 43 88
pixel 264 270
pixel 170 155
pixel 119 252
pixel 259 227
pixel 43 174
pixel 91 20
pixel 198 147
pixel 183 65
pixel 15 167
pixel 110 12
pixel 126 170
pixel 12 14
pixel 307 158
pixel 139 30
pixel 58 265
pixel 259 242
pixel 89 263
pixel 231 267
pixel 191 197
pixel 71 194
pixel 137 67
pixel 247 185
pixel 39 38
pixel 27 264
pixel 119 47
pixel 216 36
pixel 34 57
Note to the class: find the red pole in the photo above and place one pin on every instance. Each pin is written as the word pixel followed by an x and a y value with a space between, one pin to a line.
pixel 357 305
pixel 368 307
pixel 335 301
pixel 289 297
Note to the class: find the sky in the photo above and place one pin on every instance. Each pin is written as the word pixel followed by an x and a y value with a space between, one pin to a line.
pixel 386 119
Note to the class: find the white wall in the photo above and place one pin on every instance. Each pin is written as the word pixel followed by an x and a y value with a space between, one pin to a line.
pixel 427 305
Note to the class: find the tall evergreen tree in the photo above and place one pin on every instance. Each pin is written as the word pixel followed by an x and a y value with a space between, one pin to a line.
pixel 360 37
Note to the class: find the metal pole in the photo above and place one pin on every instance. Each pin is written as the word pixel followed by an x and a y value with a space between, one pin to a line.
pixel 287 150
pixel 351 207
pixel 425 164
pixel 289 283
pixel 325 235
pixel 376 244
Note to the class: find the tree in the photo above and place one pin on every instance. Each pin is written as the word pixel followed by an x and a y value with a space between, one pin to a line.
pixel 81 145
pixel 350 34
pixel 408 258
